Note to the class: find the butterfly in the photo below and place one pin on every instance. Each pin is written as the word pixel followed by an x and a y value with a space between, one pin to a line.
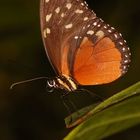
pixel 81 47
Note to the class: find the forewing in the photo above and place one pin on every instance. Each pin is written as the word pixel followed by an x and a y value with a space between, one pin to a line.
pixel 61 21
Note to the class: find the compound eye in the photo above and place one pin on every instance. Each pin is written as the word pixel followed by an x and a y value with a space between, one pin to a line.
pixel 50 85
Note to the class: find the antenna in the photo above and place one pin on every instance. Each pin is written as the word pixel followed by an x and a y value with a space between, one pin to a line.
pixel 26 81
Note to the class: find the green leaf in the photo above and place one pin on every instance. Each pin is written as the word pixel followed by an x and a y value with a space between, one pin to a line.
pixel 115 114
pixel 79 116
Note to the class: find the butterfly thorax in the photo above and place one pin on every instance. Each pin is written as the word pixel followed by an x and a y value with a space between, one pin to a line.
pixel 62 82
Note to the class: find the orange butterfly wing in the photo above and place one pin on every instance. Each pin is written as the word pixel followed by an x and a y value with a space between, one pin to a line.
pixel 97 64
pixel 102 56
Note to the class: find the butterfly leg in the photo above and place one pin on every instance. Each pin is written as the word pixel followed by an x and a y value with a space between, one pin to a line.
pixel 92 94
pixel 70 106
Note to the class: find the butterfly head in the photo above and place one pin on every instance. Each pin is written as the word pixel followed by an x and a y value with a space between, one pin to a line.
pixel 62 82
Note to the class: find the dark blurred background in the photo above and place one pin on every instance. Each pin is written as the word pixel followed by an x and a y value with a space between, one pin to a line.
pixel 28 111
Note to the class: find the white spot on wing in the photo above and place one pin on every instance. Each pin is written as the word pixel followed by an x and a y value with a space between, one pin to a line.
pixel 126 56
pixel 85 18
pixel 62 15
pixel 99 25
pixel 95 23
pixel 109 31
pixel 126 61
pixel 105 27
pixel 57 10
pixel 68 5
pixel 48 17
pixel 76 37
pixel 46 31
pixel 47 1
pixel 120 34
pixel 124 67
pixel 85 3
pixel 100 34
pixel 79 11
pixel 121 43
pixel 90 32
pixel 116 36
pixel 68 26
pixel 82 4
pixel 123 49
pixel 84 27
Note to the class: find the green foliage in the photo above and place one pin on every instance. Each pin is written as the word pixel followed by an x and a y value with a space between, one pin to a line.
pixel 115 114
